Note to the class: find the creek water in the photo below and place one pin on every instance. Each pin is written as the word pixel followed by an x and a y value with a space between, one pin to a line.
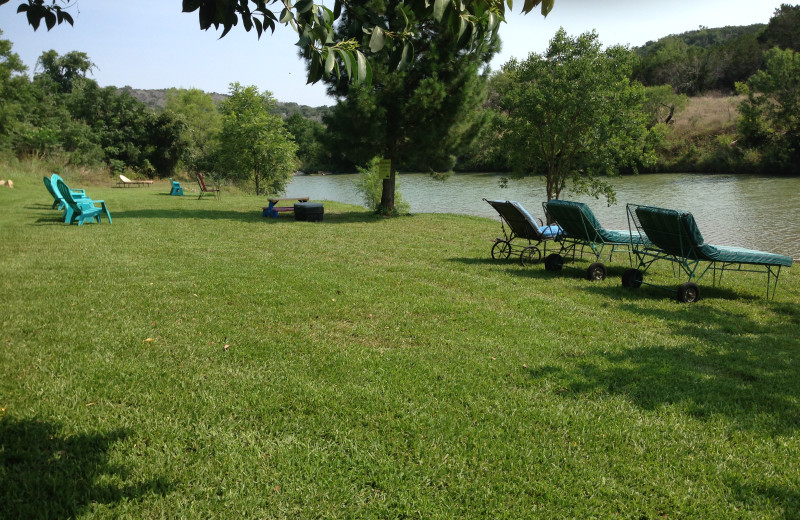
pixel 756 212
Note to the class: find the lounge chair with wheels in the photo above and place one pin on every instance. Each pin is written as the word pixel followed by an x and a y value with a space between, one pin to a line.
pixel 524 234
pixel 582 230
pixel 126 182
pixel 81 209
pixel 673 235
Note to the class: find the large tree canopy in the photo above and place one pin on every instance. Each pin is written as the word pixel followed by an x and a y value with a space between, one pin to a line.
pixel 573 113
pixel 770 114
pixel 64 70
pixel 420 115
pixel 467 20
pixel 254 143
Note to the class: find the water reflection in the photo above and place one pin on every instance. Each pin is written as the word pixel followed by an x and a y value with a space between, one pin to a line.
pixel 737 210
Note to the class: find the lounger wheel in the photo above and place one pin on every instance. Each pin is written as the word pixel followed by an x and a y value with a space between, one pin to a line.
pixel 688 292
pixel 501 250
pixel 530 255
pixel 632 278
pixel 596 271
pixel 554 262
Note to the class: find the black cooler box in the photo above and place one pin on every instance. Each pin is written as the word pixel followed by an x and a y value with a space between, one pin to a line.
pixel 308 211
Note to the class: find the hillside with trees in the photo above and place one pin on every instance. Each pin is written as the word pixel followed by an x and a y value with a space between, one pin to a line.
pixel 157 100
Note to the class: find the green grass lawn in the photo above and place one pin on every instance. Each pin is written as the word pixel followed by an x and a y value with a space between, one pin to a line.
pixel 195 360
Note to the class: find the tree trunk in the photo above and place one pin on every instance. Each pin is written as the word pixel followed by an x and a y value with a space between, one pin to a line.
pixel 256 176
pixel 387 194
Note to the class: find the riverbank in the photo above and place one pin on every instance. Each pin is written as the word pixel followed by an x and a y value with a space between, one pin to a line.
pixel 727 207
pixel 703 137
pixel 194 359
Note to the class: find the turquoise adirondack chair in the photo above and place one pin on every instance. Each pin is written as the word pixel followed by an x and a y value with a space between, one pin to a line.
pixel 58 200
pixel 177 189
pixel 81 209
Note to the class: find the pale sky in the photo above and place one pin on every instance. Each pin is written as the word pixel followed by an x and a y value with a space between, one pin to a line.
pixel 151 44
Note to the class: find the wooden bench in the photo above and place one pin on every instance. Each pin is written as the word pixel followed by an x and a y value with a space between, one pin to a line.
pixel 272 210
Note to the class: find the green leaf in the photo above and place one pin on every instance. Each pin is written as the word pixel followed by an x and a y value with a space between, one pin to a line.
pixel 407 57
pixel 347 58
pixel 286 16
pixel 377 40
pixel 465 36
pixel 304 6
pixel 330 61
pixel 405 18
pixel 206 15
pixel 65 17
pixel 361 70
pixel 50 19
pixel 327 16
pixel 492 22
pixel 188 5
pixel 368 78
pixel 462 27
pixel 438 9
pixel 529 5
pixel 315 69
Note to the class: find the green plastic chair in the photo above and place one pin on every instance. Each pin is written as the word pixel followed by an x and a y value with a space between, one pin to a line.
pixel 81 209
pixel 177 189
pixel 58 200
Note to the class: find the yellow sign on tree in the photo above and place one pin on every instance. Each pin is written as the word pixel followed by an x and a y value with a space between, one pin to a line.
pixel 385 168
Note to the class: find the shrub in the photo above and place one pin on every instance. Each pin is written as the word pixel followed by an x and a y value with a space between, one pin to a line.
pixel 370 185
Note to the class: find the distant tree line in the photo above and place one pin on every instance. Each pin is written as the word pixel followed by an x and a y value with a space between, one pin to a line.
pixel 706 60
pixel 439 110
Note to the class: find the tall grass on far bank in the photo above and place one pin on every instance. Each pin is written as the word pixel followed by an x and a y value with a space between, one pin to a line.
pixel 196 360
pixel 704 138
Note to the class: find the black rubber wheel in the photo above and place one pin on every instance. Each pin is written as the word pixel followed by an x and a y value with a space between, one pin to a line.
pixel 530 255
pixel 596 271
pixel 501 250
pixel 632 278
pixel 553 262
pixel 688 292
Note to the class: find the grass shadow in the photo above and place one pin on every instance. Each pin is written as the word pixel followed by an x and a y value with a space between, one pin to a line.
pixel 482 261
pixel 243 216
pixel 46 474
pixel 725 364
pixel 669 291
pixel 49 221
pixel 787 497
pixel 334 217
pixel 612 288
pixel 203 214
